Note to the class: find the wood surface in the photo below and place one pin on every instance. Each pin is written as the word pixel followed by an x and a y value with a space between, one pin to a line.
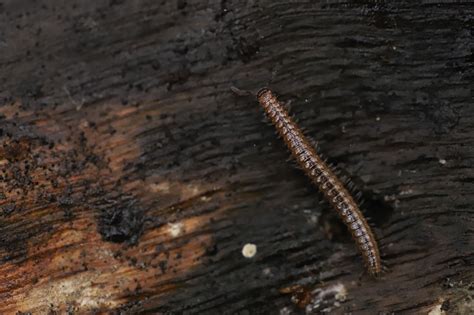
pixel 132 177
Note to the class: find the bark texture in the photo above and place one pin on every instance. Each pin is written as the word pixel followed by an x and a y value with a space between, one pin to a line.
pixel 132 177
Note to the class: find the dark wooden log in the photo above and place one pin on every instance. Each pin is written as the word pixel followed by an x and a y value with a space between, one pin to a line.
pixel 132 177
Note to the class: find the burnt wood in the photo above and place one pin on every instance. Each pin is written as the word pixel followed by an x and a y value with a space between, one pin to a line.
pixel 132 177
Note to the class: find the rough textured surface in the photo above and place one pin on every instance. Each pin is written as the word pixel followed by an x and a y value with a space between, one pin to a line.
pixel 132 177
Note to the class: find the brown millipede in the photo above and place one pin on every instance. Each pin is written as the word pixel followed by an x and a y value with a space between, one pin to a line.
pixel 324 178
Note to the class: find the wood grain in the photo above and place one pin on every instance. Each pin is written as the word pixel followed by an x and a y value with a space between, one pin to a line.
pixel 132 177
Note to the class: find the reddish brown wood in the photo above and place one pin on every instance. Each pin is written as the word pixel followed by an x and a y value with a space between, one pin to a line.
pixel 131 176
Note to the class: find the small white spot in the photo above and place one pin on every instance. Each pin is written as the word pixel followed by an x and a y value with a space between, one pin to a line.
pixel 84 124
pixel 249 250
pixel 406 192
pixel 324 300
pixel 175 229
pixel 162 187
pixel 377 118
pixel 314 219
pixel 442 161
pixel 437 310
pixel 341 292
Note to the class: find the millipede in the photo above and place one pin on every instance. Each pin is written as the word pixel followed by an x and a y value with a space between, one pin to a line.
pixel 323 176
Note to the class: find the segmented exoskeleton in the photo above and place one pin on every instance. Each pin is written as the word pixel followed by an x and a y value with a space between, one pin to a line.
pixel 324 178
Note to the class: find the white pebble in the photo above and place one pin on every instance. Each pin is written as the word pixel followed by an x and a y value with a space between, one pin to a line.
pixel 249 250
pixel 175 229
pixel 442 161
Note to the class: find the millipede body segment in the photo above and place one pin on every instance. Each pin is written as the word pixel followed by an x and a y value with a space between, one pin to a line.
pixel 324 178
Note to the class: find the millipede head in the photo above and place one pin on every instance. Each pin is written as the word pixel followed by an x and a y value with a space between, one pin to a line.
pixel 262 91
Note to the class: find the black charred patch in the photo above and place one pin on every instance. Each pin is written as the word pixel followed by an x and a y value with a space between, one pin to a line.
pixel 8 209
pixel 121 221
pixel 15 149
